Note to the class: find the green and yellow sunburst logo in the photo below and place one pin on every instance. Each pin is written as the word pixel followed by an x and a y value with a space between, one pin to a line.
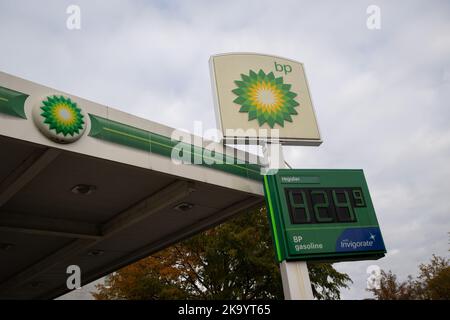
pixel 266 98
pixel 62 115
pixel 60 119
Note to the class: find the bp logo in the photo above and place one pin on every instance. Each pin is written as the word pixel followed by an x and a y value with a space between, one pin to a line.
pixel 265 98
pixel 60 119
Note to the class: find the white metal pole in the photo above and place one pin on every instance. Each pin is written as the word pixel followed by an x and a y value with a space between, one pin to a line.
pixel 295 278
pixel 294 274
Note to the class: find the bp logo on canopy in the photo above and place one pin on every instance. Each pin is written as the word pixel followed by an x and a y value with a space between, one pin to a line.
pixel 60 119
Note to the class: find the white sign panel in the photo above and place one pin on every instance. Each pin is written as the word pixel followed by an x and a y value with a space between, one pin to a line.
pixel 260 97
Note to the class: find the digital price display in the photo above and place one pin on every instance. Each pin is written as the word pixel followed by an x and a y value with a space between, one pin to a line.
pixel 323 215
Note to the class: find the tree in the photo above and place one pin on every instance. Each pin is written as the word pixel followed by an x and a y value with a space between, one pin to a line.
pixel 432 283
pixel 232 261
pixel 439 286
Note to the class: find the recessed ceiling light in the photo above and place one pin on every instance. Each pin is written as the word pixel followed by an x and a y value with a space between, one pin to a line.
pixel 84 189
pixel 36 284
pixel 184 206
pixel 6 246
pixel 95 253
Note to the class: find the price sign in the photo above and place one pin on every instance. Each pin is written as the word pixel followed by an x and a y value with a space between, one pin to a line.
pixel 322 215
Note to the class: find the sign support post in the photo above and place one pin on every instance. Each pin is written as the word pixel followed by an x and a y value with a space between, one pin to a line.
pixel 294 274
pixel 296 283
pixel 316 214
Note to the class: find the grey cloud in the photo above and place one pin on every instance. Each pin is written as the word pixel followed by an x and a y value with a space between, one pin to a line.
pixel 381 97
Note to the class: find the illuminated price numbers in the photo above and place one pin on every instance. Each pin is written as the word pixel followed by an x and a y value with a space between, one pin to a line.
pixel 323 205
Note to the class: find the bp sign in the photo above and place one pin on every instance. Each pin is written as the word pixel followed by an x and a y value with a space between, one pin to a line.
pixel 322 215
pixel 59 118
pixel 263 97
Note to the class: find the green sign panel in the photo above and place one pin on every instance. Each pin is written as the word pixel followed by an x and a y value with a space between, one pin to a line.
pixel 324 215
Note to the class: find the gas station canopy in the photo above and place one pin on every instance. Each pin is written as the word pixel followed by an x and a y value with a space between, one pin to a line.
pixel 84 184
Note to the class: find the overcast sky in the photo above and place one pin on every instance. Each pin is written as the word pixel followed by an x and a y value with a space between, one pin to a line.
pixel 381 96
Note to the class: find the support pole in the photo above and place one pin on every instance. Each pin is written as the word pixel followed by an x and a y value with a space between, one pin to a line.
pixel 295 278
pixel 294 274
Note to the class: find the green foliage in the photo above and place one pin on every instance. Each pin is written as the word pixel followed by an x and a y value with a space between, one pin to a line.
pixel 439 285
pixel 232 261
pixel 432 283
pixel 327 281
